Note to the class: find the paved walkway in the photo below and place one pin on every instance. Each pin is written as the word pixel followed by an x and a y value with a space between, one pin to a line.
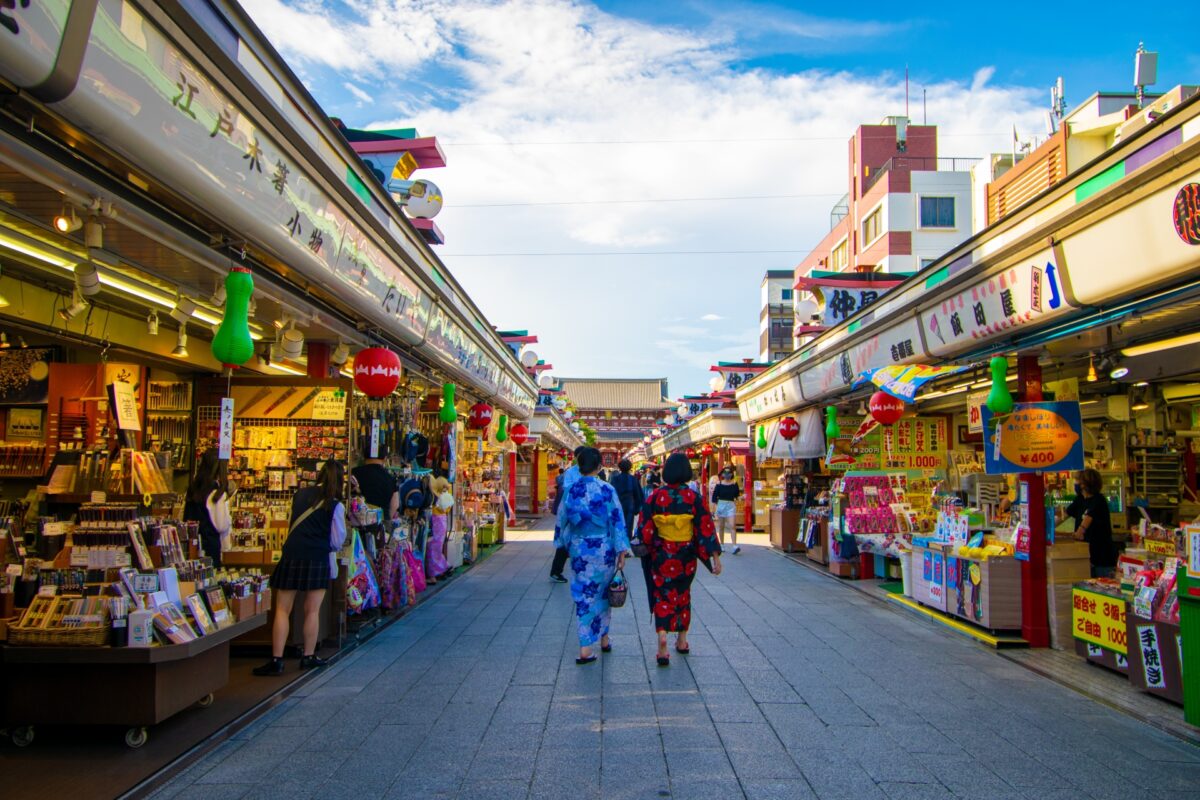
pixel 798 688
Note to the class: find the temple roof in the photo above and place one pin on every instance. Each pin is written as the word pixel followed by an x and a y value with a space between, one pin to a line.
pixel 617 394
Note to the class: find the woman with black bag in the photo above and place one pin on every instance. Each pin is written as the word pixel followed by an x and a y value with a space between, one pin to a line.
pixel 317 532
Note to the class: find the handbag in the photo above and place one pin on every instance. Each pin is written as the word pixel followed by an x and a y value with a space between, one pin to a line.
pixel 618 590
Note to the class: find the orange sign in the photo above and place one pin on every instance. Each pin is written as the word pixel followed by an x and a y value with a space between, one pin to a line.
pixel 1035 437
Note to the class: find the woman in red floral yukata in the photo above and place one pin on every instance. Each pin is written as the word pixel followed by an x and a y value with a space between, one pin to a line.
pixel 678 531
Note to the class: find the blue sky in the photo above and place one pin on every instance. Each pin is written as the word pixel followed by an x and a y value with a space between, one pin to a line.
pixel 620 174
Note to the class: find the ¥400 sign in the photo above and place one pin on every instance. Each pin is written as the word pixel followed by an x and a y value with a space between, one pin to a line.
pixel 1034 437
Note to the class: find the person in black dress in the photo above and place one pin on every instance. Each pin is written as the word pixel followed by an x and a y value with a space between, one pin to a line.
pixel 317 531
pixel 1093 524
pixel 208 505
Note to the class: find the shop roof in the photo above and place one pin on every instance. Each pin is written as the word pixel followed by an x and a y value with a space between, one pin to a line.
pixel 624 394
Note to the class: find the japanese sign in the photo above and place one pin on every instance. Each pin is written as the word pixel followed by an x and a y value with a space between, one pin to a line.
pixel 225 436
pixel 933 567
pixel 847 293
pixel 842 304
pixel 975 404
pixel 1099 619
pixel 844 453
pixel 1192 533
pixel 915 443
pixel 31 33
pixel 329 404
pixel 994 306
pixel 1152 665
pixel 373 450
pixel 124 400
pixel 1035 437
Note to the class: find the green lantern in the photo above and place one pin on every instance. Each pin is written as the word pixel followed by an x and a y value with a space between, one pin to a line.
pixel 232 345
pixel 448 413
pixel 502 429
pixel 999 399
pixel 761 444
pixel 832 431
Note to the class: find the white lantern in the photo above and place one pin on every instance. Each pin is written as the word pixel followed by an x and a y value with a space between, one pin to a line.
pixel 529 359
pixel 717 383
pixel 805 310
pixel 546 380
pixel 646 439
pixel 682 410
pixel 424 200
pixel 568 414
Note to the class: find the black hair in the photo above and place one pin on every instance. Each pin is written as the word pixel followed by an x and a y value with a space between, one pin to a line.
pixel 331 481
pixel 1090 479
pixel 207 476
pixel 588 460
pixel 677 469
pixel 579 450
pixel 625 465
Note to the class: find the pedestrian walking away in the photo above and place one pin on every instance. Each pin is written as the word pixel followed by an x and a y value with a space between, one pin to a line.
pixel 591 528
pixel 629 493
pixel 561 484
pixel 677 531
pixel 208 504
pixel 724 496
pixel 317 531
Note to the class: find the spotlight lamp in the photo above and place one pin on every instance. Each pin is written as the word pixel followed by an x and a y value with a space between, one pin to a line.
pixel 291 341
pixel 67 221
pixel 87 279
pixel 152 323
pixel 77 307
pixel 183 310
pixel 181 350
pixel 4 343
pixel 340 354
pixel 1092 377
pixel 93 233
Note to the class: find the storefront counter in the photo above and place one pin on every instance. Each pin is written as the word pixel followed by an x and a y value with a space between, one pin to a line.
pixel 985 592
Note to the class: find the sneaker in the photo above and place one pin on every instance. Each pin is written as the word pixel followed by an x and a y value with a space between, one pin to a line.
pixel 737 548
pixel 558 579
pixel 271 668
pixel 311 662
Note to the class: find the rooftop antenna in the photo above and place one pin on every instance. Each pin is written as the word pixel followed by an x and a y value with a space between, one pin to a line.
pixel 1145 71
pixel 1058 101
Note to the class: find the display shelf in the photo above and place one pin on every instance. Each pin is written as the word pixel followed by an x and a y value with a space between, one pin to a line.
pixel 1157 479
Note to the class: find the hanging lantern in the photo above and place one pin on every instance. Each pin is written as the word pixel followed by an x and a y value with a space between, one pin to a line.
pixel 885 408
pixel 519 434
pixel 691 452
pixel 480 417
pixel 376 370
pixel 832 431
pixel 564 453
pixel 568 414
pixel 502 429
pixel 999 399
pixel 762 438
pixel 448 413
pixel 706 450
pixel 232 345
pixel 788 428
pixel 560 402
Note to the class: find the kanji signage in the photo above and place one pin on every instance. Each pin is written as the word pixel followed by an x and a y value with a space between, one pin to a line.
pixel 31 33
pixel 1035 437
pixel 1099 619
pixel 1020 295
pixel 1152 663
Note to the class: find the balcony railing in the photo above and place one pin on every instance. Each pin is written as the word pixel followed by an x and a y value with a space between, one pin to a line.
pixel 839 211
pixel 918 164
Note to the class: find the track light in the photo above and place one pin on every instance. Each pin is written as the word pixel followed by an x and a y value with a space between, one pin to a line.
pixel 291 341
pixel 340 354
pixel 152 323
pixel 4 345
pixel 181 343
pixel 87 279
pixel 21 341
pixel 93 233
pixel 183 310
pixel 1118 371
pixel 67 222
pixel 1091 373
pixel 77 307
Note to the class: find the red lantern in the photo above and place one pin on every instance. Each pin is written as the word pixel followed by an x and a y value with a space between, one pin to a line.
pixel 480 418
pixel 376 371
pixel 564 453
pixel 788 428
pixel 519 433
pixel 707 450
pixel 691 452
pixel 885 408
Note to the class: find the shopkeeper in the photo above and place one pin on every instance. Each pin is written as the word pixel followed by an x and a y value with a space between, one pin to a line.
pixel 1093 524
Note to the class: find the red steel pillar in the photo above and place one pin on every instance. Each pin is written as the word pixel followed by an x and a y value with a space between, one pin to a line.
pixel 1035 627
pixel 318 360
pixel 748 515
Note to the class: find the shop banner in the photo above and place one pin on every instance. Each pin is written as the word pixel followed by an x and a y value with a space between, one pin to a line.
pixel 904 382
pixel 975 404
pixel 809 443
pixel 915 443
pixel 847 293
pixel 1099 619
pixel 1035 437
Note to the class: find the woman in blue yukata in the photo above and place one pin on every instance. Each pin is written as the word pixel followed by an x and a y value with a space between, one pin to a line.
pixel 592 529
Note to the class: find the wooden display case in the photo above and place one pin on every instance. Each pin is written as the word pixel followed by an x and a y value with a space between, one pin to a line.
pixel 784 528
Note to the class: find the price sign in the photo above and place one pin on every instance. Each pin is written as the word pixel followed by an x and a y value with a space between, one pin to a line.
pixel 329 404
pixel 225 439
pixel 1159 547
pixel 1035 437
pixel 1099 619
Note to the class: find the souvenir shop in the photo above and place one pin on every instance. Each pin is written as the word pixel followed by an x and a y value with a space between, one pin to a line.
pixel 264 297
pixel 554 440
pixel 988 381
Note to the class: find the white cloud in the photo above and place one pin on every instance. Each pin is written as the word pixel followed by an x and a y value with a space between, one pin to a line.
pixel 510 89
pixel 362 96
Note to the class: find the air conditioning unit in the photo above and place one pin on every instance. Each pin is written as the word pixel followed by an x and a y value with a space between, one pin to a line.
pixel 1114 407
pixel 1181 393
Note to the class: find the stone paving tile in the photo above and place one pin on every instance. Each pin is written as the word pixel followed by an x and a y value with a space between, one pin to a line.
pixel 797 688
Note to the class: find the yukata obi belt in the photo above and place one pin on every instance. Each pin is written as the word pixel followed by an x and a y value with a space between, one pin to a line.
pixel 674 527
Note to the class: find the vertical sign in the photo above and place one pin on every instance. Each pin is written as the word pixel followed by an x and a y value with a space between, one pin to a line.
pixel 1193 550
pixel 125 405
pixel 375 438
pixel 975 403
pixel 225 441
pixel 1151 656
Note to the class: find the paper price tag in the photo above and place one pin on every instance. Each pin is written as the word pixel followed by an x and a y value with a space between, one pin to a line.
pixel 375 438
pixel 99 497
pixel 225 438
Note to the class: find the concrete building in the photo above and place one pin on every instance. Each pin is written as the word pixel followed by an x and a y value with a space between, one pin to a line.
pixel 776 316
pixel 904 207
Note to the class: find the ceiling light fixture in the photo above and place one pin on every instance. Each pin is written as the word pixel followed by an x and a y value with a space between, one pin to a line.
pixel 183 310
pixel 77 307
pixel 87 279
pixel 291 341
pixel 340 354
pixel 1142 383
pixel 93 233
pixel 152 323
pixel 4 345
pixel 1092 377
pixel 181 350
pixel 67 221
pixel 1161 344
